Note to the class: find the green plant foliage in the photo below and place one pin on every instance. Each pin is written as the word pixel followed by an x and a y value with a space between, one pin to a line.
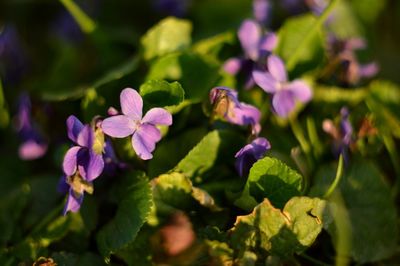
pixel 133 210
pixel 270 178
pixel 280 232
pixel 169 35
pixel 372 213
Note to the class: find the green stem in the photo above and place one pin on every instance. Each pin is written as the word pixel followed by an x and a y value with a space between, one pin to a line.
pixel 86 24
pixel 294 58
pixel 339 173
pixel 47 219
pixel 313 135
pixel 305 146
pixel 394 157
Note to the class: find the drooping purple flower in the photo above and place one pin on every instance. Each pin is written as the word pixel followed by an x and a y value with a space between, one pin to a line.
pixel 82 163
pixel 342 134
pixel 33 144
pixel 261 10
pixel 226 105
pixel 256 45
pixel 177 8
pixel 249 154
pixel 344 64
pixel 285 93
pixel 143 129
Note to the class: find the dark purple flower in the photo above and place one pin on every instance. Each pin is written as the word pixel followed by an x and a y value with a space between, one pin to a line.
pixel 144 132
pixel 33 144
pixel 296 7
pixel 176 8
pixel 256 46
pixel 261 10
pixel 82 163
pixel 285 93
pixel 226 105
pixel 344 62
pixel 249 154
pixel 342 134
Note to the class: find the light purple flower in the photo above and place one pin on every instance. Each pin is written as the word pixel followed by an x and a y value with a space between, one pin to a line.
pixel 261 10
pixel 33 144
pixel 249 154
pixel 285 93
pixel 143 129
pixel 226 104
pixel 256 46
pixel 342 134
pixel 82 163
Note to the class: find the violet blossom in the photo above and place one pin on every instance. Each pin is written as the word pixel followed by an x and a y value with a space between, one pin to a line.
pixel 82 163
pixel 274 80
pixel 344 62
pixel 296 7
pixel 262 10
pixel 342 134
pixel 226 105
pixel 249 154
pixel 33 144
pixel 143 129
pixel 256 46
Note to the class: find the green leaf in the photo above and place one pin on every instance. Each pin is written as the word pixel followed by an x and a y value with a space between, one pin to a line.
pixel 169 35
pixel 211 47
pixel 196 74
pixel 331 94
pixel 71 259
pixel 345 24
pixel 281 233
pixel 133 210
pixel 292 33
pixel 161 93
pixel 204 155
pixel 372 212
pixel 368 10
pixel 270 178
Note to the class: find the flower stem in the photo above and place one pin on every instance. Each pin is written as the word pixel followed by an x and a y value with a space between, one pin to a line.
pixel 294 58
pixel 49 218
pixel 86 24
pixel 394 157
pixel 339 173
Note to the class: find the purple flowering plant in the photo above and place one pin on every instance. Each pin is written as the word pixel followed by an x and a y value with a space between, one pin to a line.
pixel 234 148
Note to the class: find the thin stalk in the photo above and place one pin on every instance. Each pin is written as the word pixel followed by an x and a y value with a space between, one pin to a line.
pixel 394 157
pixel 299 134
pixel 49 218
pixel 313 135
pixel 294 58
pixel 339 173
pixel 86 24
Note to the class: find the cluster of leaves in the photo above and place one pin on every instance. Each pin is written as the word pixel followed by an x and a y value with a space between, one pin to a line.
pixel 188 205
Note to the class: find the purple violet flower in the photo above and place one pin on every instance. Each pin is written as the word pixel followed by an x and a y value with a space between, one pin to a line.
pixel 285 93
pixel 296 7
pixel 249 154
pixel 82 163
pixel 33 145
pixel 261 10
pixel 226 104
pixel 342 135
pixel 256 46
pixel 143 129
pixel 176 8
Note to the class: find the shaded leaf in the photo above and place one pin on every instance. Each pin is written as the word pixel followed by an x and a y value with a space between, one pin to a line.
pixel 169 35
pixel 161 93
pixel 270 178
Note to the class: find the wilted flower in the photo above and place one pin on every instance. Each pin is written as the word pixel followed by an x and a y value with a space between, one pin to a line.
pixel 344 65
pixel 256 46
pixel 144 132
pixel 249 154
pixel 33 144
pixel 82 163
pixel 342 134
pixel 226 105
pixel 285 93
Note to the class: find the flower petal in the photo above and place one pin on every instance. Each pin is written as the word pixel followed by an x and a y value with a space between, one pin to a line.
pixel 249 36
pixel 144 141
pixel 86 137
pixel 157 116
pixel 269 42
pixel 283 102
pixel 70 160
pixel 300 90
pixel 131 103
pixel 233 65
pixel 31 150
pixel 261 10
pixel 73 203
pixel 245 114
pixel 119 126
pixel 277 68
pixel 74 127
pixel 265 80
pixel 90 165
